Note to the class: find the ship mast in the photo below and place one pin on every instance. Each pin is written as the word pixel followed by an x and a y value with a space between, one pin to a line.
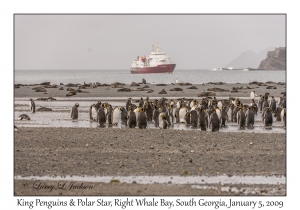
pixel 157 48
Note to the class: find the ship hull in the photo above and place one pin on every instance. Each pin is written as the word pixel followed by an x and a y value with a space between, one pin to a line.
pixel 165 68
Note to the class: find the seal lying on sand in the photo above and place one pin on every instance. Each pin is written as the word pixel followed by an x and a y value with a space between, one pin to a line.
pixel 24 117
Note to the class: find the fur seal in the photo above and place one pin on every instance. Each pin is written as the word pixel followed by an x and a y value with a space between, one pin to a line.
pixel 24 117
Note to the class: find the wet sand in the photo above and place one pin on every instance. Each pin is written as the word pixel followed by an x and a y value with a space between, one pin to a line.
pixel 123 152
pixel 118 152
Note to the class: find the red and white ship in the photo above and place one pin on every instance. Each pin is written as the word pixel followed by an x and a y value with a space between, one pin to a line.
pixel 156 62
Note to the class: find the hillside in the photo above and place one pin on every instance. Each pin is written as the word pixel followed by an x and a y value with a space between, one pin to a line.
pixel 249 59
pixel 276 60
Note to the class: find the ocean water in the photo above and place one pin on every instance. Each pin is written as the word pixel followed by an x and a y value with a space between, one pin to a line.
pixel 124 76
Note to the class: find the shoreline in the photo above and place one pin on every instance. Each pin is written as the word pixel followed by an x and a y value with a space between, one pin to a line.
pixel 108 91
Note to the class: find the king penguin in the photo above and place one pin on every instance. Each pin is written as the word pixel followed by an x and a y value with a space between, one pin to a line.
pixel 142 119
pixel 74 112
pixel 182 113
pixel 32 106
pixel 131 119
pixel 194 118
pixel 101 118
pixel 249 118
pixel 109 114
pixel 203 120
pixel 253 95
pixel 214 122
pixel 162 121
pixel 241 119
pixel 94 113
pixel 123 116
pixel 224 117
pixel 116 116
pixel 268 118
pixel 272 104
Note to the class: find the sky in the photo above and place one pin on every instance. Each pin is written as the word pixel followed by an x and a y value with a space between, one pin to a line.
pixel 194 41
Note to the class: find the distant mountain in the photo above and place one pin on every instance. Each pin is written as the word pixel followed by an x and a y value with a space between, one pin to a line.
pixel 249 59
pixel 275 60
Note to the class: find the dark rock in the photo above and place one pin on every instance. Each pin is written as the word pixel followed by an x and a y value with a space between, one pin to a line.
pixel 161 85
pixel 72 93
pixel 134 84
pixel 45 83
pixel 101 85
pixel 219 83
pixel 118 83
pixel 162 92
pixel 204 94
pixel 193 87
pixel 176 89
pixel 139 89
pixel 41 90
pixel 51 86
pixel 185 84
pixel 46 99
pixel 39 87
pixel 124 90
pixel 44 109
pixel 271 87
pixel 150 91
pixel 72 85
pixel 70 89
pixel 117 86
pixel 80 91
pixel 245 87
pixel 217 90
pixel 261 84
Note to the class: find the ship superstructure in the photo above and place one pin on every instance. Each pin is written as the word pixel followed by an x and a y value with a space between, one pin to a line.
pixel 156 62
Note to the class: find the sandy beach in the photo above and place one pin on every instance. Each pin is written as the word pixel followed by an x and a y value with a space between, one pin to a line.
pixel 108 91
pixel 48 151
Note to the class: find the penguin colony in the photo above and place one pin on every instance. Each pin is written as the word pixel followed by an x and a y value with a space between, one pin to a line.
pixel 204 114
